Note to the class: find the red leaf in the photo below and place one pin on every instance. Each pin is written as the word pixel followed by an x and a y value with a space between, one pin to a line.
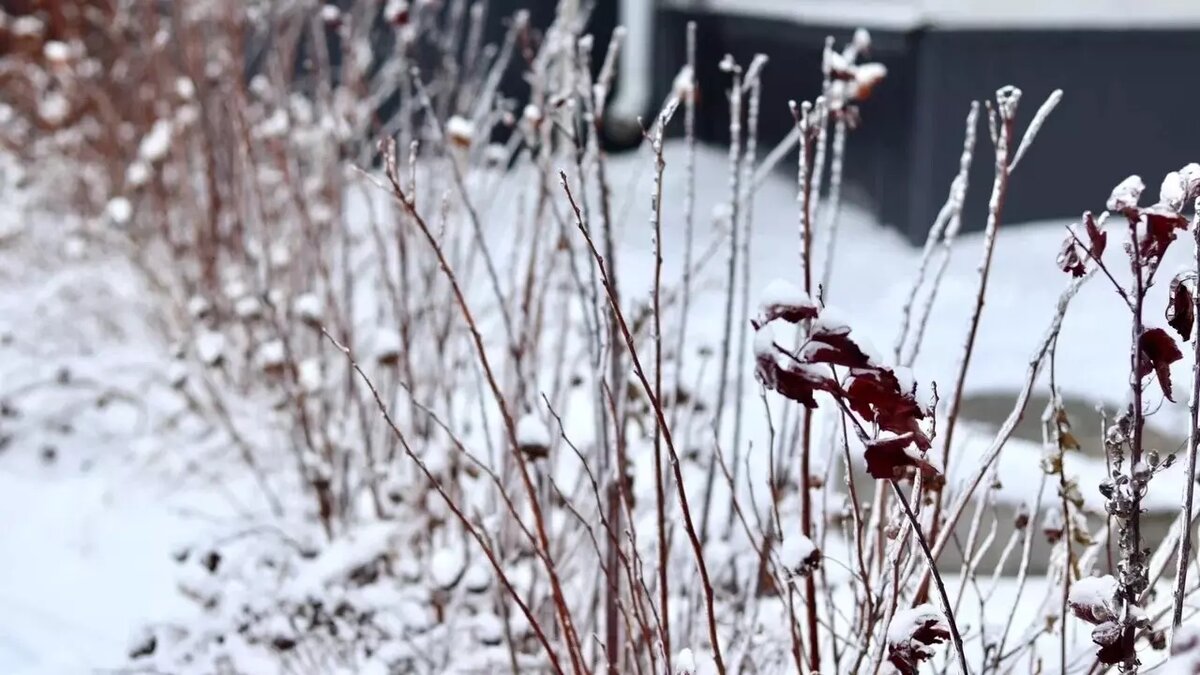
pixel 796 381
pixel 888 457
pixel 1097 239
pixel 834 348
pixel 1161 223
pixel 1068 258
pixel 1180 313
pixel 795 388
pixel 875 395
pixel 1116 643
pixel 1158 353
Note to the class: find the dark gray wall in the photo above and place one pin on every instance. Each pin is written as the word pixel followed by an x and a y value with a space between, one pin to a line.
pixel 1128 108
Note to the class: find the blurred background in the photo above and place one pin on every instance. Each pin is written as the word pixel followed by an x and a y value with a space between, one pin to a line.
pixel 1123 66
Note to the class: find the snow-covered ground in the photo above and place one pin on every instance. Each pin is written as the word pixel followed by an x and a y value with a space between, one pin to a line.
pixel 104 474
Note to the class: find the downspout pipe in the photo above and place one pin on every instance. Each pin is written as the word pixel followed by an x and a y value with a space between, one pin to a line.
pixel 635 74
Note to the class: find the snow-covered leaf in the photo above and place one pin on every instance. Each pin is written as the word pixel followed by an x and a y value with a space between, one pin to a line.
pixel 911 636
pixel 784 300
pixel 1126 194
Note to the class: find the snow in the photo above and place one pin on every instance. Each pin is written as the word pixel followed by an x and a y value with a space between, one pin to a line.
pixel 156 143
pixel 867 75
pixel 198 306
pixel 27 25
pixel 310 375
pixel 356 548
pixel 764 341
pixel 394 9
pixel 87 538
pixel 54 108
pixel 1185 652
pixel 177 374
pixel 1126 194
pixel 137 174
pixel 1173 192
pixel 308 307
pixel 861 39
pixel 270 355
pixel 532 432
pixel 248 307
pixel 1094 599
pixel 56 51
pixel 834 321
pixel 275 126
pixel 683 84
pixel 119 210
pixel 796 552
pixel 460 130
pixel 1191 178
pixel 185 88
pixel 210 347
pixel 477 578
pixel 387 344
pixel 907 621
pixel 685 662
pixel 446 566
pixel 783 292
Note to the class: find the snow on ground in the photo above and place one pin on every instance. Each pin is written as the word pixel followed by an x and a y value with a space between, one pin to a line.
pixel 95 491
pixel 88 534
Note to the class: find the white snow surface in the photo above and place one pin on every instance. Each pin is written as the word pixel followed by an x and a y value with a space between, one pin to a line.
pixel 532 432
pixel 87 537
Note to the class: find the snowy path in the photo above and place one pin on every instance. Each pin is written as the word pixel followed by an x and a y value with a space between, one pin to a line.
pixel 88 519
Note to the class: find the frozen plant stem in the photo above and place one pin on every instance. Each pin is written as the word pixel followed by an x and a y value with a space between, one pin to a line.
pixel 1132 570
pixel 560 603
pixel 493 559
pixel 990 455
pixel 1007 100
pixel 955 636
pixel 753 82
pixel 689 210
pixel 664 118
pixel 656 405
pixel 809 121
pixel 735 154
pixel 944 230
pixel 1185 538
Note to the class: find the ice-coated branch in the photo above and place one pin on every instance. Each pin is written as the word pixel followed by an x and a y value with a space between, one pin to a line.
pixel 1193 446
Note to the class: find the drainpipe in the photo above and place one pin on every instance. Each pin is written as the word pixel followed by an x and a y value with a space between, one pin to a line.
pixel 636 71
